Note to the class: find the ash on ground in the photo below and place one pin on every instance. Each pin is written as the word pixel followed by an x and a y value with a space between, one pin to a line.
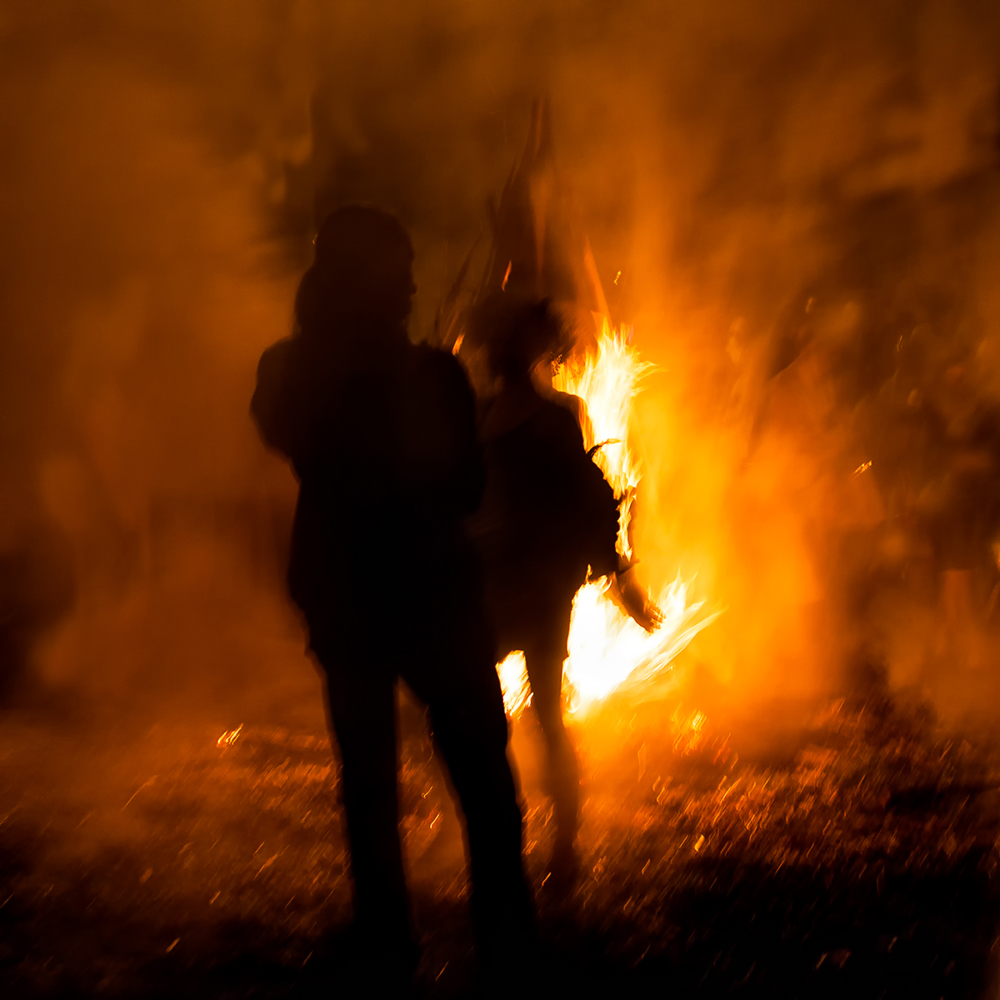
pixel 861 861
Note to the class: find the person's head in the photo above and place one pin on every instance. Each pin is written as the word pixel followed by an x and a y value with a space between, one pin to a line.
pixel 517 333
pixel 363 267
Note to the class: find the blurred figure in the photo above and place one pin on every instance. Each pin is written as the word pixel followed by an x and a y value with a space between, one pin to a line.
pixel 548 517
pixel 382 437
pixel 37 589
pixel 960 509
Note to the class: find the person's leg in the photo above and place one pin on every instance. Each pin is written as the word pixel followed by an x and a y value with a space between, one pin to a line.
pixel 544 655
pixel 470 727
pixel 562 772
pixel 362 712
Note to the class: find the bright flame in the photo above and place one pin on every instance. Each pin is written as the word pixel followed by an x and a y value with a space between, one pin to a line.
pixel 229 737
pixel 607 383
pixel 513 673
pixel 607 650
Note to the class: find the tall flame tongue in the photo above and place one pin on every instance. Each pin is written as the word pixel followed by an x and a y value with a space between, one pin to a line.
pixel 607 650
pixel 607 382
pixel 538 251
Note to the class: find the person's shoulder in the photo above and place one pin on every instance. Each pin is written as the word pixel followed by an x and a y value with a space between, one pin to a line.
pixel 435 358
pixel 440 367
pixel 561 413
pixel 268 403
pixel 573 406
pixel 275 358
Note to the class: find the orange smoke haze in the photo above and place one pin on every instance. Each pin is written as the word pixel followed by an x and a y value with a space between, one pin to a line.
pixel 795 206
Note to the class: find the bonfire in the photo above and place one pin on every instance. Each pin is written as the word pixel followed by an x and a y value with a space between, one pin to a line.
pixel 608 651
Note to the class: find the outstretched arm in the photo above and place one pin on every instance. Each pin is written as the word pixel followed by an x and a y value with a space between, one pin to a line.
pixel 632 597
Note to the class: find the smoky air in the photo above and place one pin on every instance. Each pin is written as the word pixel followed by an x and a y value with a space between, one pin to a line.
pixel 781 232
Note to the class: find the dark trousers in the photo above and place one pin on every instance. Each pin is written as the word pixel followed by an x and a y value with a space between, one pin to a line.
pixel 462 692
pixel 544 653
pixel 539 627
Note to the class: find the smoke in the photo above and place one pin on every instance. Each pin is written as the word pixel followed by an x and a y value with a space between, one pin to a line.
pixel 794 204
pixel 824 262
pixel 140 281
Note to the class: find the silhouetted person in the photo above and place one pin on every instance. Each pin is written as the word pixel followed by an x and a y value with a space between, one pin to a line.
pixel 382 437
pixel 548 515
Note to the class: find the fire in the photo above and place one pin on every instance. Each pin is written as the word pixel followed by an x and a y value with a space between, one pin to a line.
pixel 229 737
pixel 506 276
pixel 607 650
pixel 513 673
pixel 607 383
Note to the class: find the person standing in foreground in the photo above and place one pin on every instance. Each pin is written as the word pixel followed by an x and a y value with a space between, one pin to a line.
pixel 381 434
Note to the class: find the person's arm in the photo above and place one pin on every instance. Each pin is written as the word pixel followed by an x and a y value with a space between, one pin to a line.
pixel 633 598
pixel 269 405
pixel 625 589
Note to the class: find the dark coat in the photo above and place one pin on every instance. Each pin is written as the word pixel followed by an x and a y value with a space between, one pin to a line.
pixel 383 442
pixel 548 515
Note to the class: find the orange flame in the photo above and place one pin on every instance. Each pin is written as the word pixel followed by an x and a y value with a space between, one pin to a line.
pixel 607 650
pixel 229 737
pixel 607 383
pixel 513 674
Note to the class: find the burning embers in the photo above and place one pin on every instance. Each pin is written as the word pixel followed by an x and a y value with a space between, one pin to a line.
pixel 608 382
pixel 608 650
pixel 229 737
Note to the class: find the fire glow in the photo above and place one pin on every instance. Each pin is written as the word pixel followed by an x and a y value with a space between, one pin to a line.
pixel 607 382
pixel 607 650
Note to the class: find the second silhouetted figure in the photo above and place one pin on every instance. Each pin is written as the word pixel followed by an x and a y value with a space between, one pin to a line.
pixel 548 517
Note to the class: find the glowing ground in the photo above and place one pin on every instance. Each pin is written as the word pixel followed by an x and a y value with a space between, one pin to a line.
pixel 860 860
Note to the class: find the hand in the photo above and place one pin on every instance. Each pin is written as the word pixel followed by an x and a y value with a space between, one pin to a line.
pixel 631 596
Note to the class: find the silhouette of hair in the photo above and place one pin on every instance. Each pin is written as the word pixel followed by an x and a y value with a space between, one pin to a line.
pixel 354 235
pixel 363 266
pixel 517 332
